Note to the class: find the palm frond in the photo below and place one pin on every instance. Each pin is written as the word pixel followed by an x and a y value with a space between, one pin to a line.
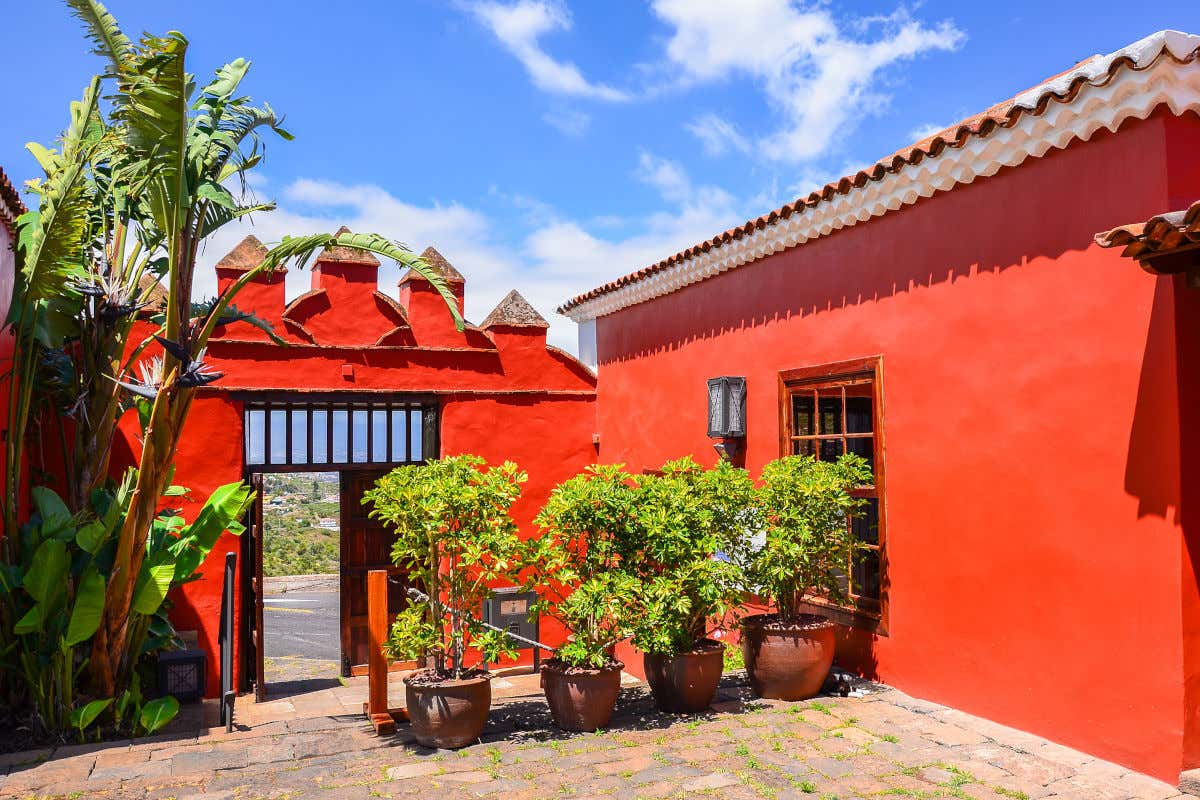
pixel 53 239
pixel 302 249
pixel 104 32
pixel 153 108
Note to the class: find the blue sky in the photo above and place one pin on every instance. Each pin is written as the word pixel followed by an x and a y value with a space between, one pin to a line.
pixel 551 145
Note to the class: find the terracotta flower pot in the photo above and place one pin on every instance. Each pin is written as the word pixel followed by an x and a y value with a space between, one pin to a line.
pixel 787 661
pixel 581 699
pixel 686 683
pixel 448 713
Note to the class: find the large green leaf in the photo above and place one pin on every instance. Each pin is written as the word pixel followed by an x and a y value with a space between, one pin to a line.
pixel 89 605
pixel 154 583
pixel 48 503
pixel 153 105
pixel 52 237
pixel 157 713
pixel 46 577
pixel 85 715
pixel 223 509
pixel 104 32
pixel 56 517
pixel 91 537
pixel 32 621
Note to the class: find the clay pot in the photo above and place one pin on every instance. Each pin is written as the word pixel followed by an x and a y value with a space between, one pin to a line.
pixel 450 713
pixel 686 683
pixel 787 661
pixel 581 699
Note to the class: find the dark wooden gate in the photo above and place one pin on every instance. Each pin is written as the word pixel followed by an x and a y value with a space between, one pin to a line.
pixel 366 545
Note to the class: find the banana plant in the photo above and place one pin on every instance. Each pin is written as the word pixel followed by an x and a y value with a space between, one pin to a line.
pixel 129 198
pixel 57 588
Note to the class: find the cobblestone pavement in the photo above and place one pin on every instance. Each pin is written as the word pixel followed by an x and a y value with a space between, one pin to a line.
pixel 880 744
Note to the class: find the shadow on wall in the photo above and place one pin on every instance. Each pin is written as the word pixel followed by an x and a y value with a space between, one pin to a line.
pixel 1152 468
pixel 988 226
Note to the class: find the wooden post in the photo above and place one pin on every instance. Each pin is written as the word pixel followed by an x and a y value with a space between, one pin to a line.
pixel 377 665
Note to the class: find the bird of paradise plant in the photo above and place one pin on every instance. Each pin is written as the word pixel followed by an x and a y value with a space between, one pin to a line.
pixel 129 197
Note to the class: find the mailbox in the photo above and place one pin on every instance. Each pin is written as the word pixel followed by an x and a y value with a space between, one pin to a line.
pixel 508 609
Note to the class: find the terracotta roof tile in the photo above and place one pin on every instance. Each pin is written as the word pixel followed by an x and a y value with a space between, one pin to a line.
pixel 1061 89
pixel 1160 233
pixel 347 255
pixel 515 311
pixel 248 254
pixel 11 206
pixel 152 291
pixel 440 265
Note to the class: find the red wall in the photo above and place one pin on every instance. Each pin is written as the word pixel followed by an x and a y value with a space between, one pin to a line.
pixel 1031 426
pixel 504 395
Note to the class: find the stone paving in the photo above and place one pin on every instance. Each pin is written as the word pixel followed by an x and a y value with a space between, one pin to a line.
pixel 300 697
pixel 883 743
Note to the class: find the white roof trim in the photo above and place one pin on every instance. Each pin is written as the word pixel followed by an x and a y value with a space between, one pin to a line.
pixel 1129 94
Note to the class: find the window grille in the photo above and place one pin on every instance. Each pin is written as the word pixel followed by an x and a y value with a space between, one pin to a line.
pixel 329 435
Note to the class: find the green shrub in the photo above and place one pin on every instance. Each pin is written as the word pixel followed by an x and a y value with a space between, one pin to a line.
pixel 577 564
pixel 456 539
pixel 691 537
pixel 806 544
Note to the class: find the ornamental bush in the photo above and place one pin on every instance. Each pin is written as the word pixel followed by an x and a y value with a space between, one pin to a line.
pixel 578 564
pixel 806 507
pixel 455 537
pixel 691 538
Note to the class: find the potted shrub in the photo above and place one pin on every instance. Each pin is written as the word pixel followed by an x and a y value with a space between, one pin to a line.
pixel 578 573
pixel 806 506
pixel 692 525
pixel 455 537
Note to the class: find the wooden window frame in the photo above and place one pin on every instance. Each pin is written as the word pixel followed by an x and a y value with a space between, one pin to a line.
pixel 871 368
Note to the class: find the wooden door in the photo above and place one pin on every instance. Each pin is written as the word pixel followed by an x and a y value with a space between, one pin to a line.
pixel 366 545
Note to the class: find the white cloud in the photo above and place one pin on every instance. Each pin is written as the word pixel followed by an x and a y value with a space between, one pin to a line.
pixel 818 73
pixel 924 131
pixel 519 26
pixel 552 259
pixel 717 135
pixel 568 121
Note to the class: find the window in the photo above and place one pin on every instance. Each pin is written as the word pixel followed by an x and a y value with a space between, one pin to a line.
pixel 320 435
pixel 827 411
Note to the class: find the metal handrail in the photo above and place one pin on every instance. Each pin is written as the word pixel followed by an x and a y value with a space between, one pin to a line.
pixel 420 597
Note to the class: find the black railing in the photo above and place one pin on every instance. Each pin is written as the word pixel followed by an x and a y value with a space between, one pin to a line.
pixel 225 637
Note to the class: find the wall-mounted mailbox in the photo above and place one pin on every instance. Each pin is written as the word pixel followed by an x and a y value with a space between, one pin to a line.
pixel 509 610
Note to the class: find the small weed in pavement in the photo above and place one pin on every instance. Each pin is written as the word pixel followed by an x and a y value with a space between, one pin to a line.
pixel 1015 794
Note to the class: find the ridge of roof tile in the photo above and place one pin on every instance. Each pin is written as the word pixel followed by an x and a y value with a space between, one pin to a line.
pixel 439 264
pixel 514 311
pixel 346 255
pixel 1182 48
pixel 247 255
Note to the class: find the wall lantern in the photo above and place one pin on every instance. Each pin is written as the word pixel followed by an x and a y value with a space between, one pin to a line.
pixel 727 408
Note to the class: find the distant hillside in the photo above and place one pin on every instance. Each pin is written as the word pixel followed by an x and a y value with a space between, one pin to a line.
pixel 301 522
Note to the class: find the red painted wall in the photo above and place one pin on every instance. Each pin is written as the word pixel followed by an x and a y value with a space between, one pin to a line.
pixel 1032 432
pixel 504 395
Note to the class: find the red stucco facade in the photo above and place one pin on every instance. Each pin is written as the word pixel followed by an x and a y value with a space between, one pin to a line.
pixel 1041 490
pixel 502 393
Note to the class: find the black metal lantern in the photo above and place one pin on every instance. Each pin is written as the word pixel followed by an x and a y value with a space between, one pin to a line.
pixel 727 407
